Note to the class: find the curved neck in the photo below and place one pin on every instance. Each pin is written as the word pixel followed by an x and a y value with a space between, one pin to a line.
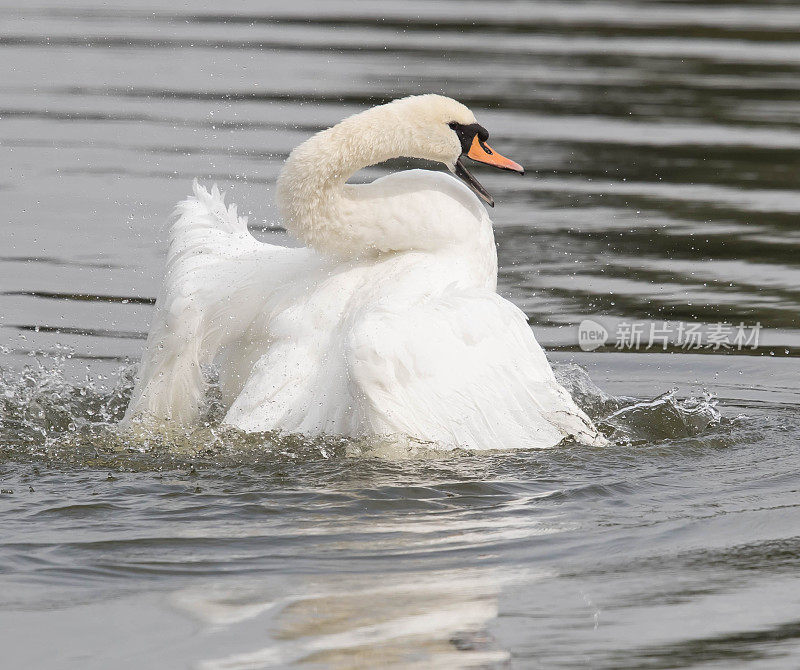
pixel 414 210
pixel 312 194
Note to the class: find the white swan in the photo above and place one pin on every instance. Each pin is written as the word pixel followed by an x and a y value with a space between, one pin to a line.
pixel 386 323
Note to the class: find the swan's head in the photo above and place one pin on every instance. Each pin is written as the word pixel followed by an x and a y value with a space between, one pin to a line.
pixel 442 129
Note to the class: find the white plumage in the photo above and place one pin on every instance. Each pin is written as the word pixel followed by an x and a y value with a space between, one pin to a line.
pixel 388 323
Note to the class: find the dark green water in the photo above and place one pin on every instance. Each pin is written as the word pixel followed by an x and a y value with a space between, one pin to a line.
pixel 662 141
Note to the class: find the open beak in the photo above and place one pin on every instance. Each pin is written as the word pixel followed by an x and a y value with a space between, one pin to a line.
pixel 483 153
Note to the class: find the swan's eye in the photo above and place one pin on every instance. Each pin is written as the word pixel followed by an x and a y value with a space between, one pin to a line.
pixel 467 132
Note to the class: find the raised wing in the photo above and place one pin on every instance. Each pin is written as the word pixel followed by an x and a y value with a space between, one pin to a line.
pixel 218 280
pixel 461 369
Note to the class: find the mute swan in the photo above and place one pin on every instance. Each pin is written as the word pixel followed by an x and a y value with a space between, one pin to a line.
pixel 386 323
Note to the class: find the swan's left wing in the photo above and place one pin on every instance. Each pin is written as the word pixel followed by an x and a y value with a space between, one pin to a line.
pixel 218 279
pixel 461 369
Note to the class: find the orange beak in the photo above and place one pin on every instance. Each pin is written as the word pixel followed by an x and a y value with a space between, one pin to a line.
pixel 483 153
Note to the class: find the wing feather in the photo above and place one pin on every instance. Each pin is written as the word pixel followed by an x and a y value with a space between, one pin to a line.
pixel 218 279
pixel 463 369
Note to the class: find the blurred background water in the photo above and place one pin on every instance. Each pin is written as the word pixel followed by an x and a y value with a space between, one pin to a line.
pixel 662 142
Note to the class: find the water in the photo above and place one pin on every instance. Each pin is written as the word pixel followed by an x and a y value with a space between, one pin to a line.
pixel 662 142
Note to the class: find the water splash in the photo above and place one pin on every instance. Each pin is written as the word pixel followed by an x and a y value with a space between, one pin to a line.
pixel 626 420
pixel 45 415
pixel 664 417
pixel 39 403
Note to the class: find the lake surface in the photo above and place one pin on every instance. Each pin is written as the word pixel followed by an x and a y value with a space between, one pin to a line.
pixel 662 142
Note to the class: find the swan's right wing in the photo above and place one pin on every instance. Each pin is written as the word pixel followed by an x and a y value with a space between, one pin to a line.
pixel 461 369
pixel 218 279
